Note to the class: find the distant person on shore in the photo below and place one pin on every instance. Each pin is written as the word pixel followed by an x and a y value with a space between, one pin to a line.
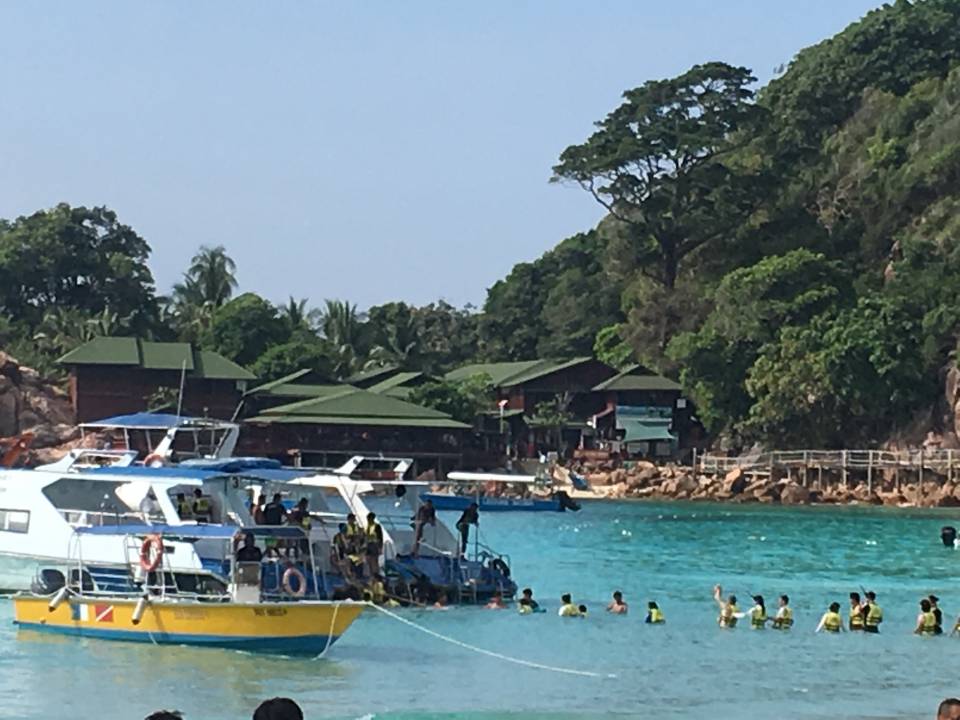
pixel 617 605
pixel 278 708
pixel 926 620
pixel 426 515
pixel 937 613
pixel 729 612
pixel 831 621
pixel 856 613
pixel 784 617
pixel 654 614
pixel 527 605
pixel 949 709
pixel 567 608
pixel 758 613
pixel 496 602
pixel 874 616
pixel 470 516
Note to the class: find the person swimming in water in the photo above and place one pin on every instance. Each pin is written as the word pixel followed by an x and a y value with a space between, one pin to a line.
pixel 567 608
pixel 758 613
pixel 831 621
pixel 784 617
pixel 526 604
pixel 729 612
pixel 496 602
pixel 855 614
pixel 617 606
pixel 654 614
pixel 582 610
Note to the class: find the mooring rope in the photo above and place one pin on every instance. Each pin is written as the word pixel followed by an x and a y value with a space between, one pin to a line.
pixel 489 653
pixel 333 622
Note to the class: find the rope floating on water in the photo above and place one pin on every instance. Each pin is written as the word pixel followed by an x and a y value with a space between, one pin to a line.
pixel 489 653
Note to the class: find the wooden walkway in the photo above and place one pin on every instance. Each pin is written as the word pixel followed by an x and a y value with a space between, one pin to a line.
pixel 846 465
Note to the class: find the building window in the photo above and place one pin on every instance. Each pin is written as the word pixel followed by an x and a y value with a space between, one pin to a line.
pixel 17 521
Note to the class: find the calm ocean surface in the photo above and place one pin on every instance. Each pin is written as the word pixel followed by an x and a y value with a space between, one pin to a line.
pixel 688 669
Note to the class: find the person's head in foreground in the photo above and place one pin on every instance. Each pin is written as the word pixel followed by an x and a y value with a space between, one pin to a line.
pixel 278 708
pixel 949 709
pixel 165 715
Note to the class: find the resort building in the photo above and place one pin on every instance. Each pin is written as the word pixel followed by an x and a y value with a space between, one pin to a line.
pixel 121 375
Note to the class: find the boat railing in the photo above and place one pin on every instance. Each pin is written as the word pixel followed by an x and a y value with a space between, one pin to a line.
pixel 85 518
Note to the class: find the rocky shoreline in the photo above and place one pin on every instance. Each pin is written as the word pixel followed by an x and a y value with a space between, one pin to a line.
pixel 648 481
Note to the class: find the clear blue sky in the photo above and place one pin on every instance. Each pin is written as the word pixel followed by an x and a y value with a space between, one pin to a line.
pixel 368 151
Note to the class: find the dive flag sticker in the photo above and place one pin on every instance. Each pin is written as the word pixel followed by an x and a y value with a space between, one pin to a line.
pixel 79 612
pixel 103 613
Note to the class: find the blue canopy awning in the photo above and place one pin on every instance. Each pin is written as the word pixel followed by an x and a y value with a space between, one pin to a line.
pixel 144 421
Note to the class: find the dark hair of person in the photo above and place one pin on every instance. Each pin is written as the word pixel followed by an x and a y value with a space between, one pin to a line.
pixel 652 605
pixel 834 607
pixel 565 598
pixel 946 706
pixel 925 605
pixel 871 595
pixel 785 599
pixel 855 596
pixel 165 715
pixel 278 708
pixel 527 591
pixel 617 594
pixel 732 599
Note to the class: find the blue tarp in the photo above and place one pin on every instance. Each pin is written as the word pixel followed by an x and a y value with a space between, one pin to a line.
pixel 144 420
pixel 193 531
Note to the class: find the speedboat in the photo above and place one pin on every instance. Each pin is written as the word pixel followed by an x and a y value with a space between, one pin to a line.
pixel 489 492
pixel 156 603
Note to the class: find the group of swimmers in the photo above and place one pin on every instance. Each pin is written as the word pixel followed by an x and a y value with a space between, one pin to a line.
pixel 526 605
pixel 863 614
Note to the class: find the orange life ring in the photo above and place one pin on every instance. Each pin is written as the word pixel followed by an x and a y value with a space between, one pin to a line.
pixel 155 543
pixel 154 460
pixel 301 582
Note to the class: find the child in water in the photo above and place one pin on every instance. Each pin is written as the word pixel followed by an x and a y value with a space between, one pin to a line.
pixel 654 614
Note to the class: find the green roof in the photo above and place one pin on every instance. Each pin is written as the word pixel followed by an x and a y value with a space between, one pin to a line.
pixel 267 387
pixel 296 390
pixel 156 356
pixel 447 423
pixel 352 406
pixel 636 377
pixel 376 374
pixel 506 374
pixel 399 379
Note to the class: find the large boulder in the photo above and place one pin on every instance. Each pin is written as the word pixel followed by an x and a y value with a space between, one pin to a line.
pixel 735 482
pixel 794 494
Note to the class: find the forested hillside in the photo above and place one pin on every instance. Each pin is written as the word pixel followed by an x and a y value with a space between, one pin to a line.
pixel 790 254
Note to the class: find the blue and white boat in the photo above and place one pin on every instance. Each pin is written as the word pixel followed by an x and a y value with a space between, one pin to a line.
pixel 488 490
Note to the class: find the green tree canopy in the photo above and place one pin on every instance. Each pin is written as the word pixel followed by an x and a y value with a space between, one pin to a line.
pixel 464 399
pixel 245 328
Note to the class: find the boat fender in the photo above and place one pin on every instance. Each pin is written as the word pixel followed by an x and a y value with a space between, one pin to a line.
pixel 155 544
pixel 154 460
pixel 57 599
pixel 139 609
pixel 948 535
pixel 292 572
pixel 500 566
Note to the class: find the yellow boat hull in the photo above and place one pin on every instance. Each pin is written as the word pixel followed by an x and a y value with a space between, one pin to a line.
pixel 292 627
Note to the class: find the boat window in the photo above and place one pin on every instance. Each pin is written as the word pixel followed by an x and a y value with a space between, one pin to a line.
pixel 81 500
pixel 17 521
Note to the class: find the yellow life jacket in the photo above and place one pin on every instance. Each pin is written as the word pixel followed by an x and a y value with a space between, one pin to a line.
pixel 569 610
pixel 728 617
pixel 656 616
pixel 758 617
pixel 201 506
pixel 874 615
pixel 525 610
pixel 378 592
pixel 929 624
pixel 371 532
pixel 856 618
pixel 784 619
pixel 184 509
pixel 832 622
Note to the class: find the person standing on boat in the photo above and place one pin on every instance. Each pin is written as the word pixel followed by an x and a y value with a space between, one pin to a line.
pixel 249 553
pixel 470 516
pixel 150 507
pixel 184 508
pixel 256 510
pixel 201 507
pixel 729 612
pixel 374 539
pixel 426 515
pixel 275 513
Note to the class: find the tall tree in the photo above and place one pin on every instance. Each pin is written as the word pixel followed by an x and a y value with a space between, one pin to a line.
pixel 245 328
pixel 342 326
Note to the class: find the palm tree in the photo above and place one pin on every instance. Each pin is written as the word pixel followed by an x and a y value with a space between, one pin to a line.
pixel 210 279
pixel 342 326
pixel 295 315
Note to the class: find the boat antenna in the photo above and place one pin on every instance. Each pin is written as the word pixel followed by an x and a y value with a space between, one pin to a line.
pixel 183 379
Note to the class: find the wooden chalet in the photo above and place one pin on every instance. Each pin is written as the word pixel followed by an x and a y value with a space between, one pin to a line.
pixel 119 375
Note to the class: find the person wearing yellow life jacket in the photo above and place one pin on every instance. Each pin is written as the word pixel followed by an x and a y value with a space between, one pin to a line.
pixel 373 536
pixel 874 615
pixel 567 608
pixel 937 613
pixel 202 509
pixel 831 621
pixel 784 617
pixel 926 620
pixel 856 613
pixel 184 508
pixel 729 612
pixel 758 613
pixel 654 614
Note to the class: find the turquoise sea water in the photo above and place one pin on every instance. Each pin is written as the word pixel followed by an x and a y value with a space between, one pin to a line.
pixel 673 553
